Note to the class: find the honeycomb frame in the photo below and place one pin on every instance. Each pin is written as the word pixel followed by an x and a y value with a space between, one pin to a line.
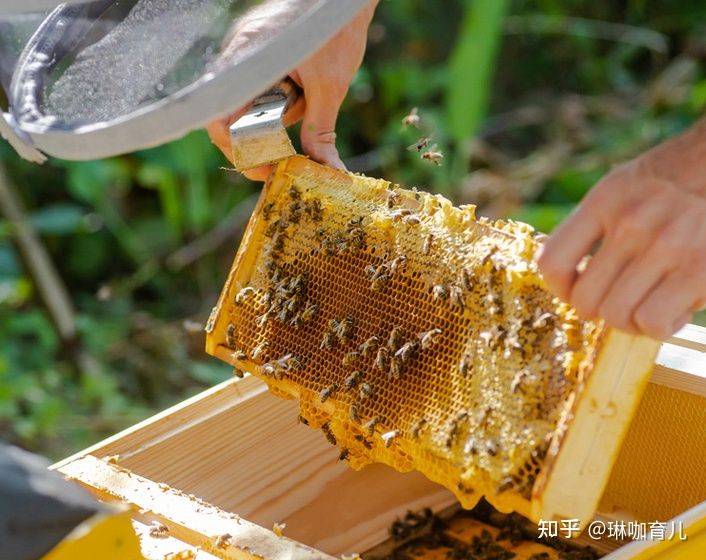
pixel 358 223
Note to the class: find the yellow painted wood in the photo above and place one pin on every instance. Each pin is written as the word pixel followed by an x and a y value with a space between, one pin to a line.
pixel 104 536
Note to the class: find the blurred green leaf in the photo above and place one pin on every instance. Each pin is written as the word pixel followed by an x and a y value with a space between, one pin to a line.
pixel 58 219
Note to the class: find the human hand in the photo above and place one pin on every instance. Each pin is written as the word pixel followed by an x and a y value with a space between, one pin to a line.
pixel 324 78
pixel 648 216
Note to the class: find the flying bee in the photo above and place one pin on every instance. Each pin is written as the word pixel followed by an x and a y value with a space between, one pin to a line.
pixel 326 393
pixel 382 358
pixel 392 197
pixel 433 155
pixel 426 248
pixel 352 380
pixel 326 429
pixel 429 338
pixel 260 350
pixel 353 413
pixel 350 358
pixel 371 424
pixel 366 348
pixel 238 373
pixel 466 365
pixel 407 351
pixel 440 292
pixel 230 336
pixel 412 220
pixel 345 453
pixel 365 390
pixel 420 144
pixel 412 118
pixel 389 437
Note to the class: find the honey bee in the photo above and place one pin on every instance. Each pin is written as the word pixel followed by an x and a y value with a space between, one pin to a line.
pixel 456 297
pixel 518 379
pixel 417 428
pixel 395 339
pixel 230 336
pixel 382 358
pixel 371 424
pixel 392 198
pixel 412 220
pixel 440 292
pixel 367 444
pixel 278 529
pixel 470 447
pixel 389 437
pixel 398 263
pixel 467 277
pixel 426 248
pixel 466 365
pixel 433 155
pixel 238 373
pixel 294 193
pixel 350 358
pixel 267 210
pixel 492 447
pixel 313 208
pixel 261 321
pixel 344 331
pixel 326 393
pixel 224 540
pixel 429 338
pixel 461 487
pixel 270 370
pixel 326 429
pixel 352 380
pixel 505 484
pixel 412 118
pixel 407 351
pixel 400 213
pixel 303 420
pixel 367 347
pixel 309 312
pixel 244 294
pixel 344 454
pixel 396 369
pixel 159 530
pixel 260 349
pixel 365 390
pixel 420 144
pixel 328 341
pixel 353 413
pixel 541 320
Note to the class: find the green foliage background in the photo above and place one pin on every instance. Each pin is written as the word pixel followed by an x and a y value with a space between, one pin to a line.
pixel 531 102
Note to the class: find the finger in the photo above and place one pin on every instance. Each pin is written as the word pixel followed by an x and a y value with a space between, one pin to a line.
pixel 261 174
pixel 632 286
pixel 631 236
pixel 318 134
pixel 662 313
pixel 565 248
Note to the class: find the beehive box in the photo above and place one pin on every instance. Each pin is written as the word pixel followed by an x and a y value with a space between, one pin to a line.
pixel 239 449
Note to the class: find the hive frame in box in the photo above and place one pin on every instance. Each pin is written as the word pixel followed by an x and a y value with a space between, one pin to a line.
pixel 596 419
pixel 241 449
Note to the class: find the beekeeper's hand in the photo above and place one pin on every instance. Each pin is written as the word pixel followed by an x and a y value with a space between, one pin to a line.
pixel 324 77
pixel 647 219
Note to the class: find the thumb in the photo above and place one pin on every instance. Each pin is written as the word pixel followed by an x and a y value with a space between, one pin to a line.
pixel 318 132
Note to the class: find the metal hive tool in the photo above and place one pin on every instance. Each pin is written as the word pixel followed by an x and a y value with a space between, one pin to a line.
pixel 416 335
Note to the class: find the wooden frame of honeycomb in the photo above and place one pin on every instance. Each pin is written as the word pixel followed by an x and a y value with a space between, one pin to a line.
pixel 414 335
